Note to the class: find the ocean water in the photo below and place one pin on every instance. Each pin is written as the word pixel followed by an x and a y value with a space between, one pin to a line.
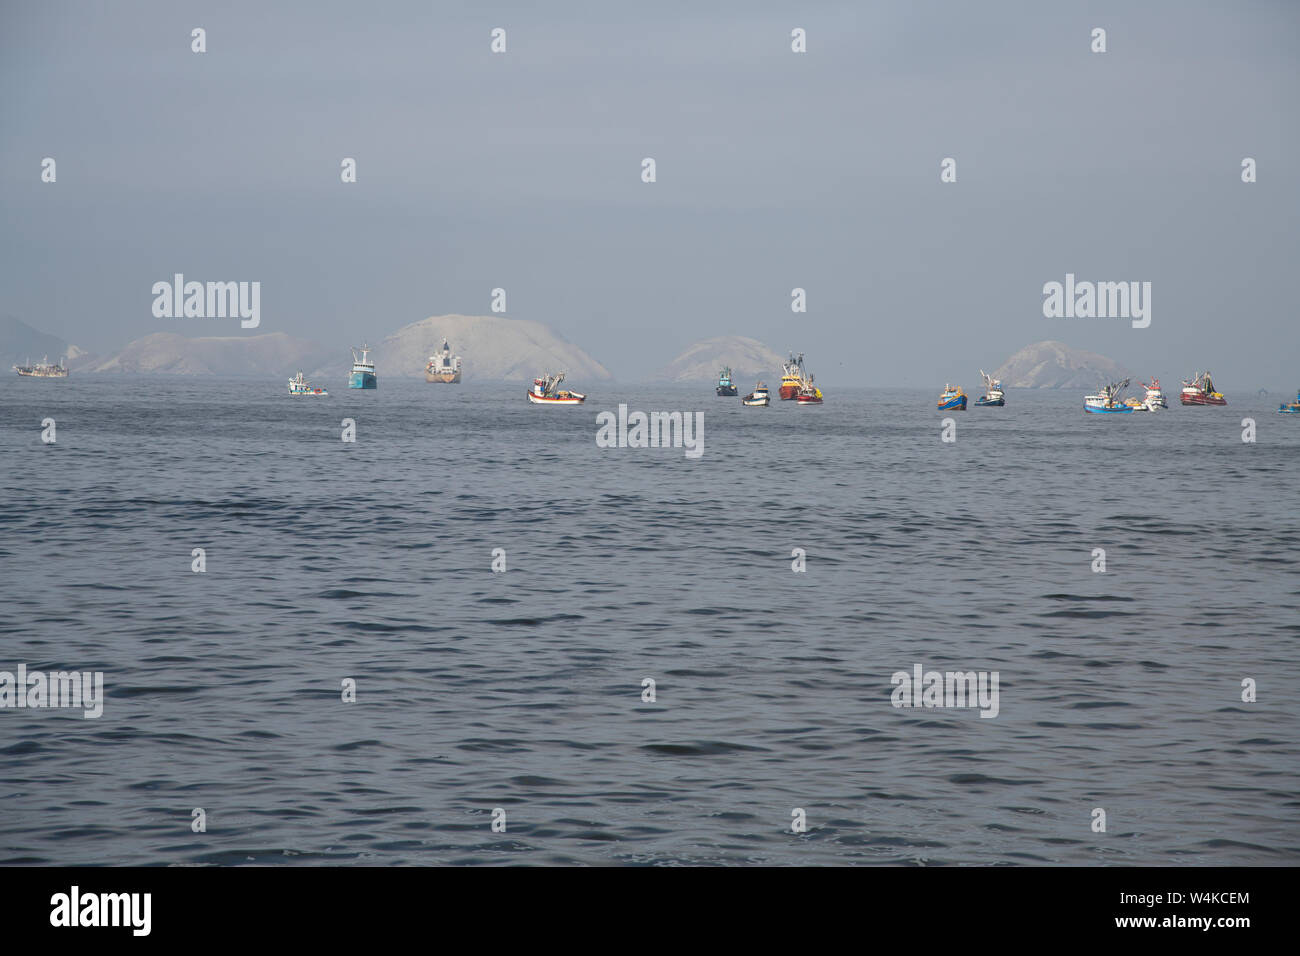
pixel 522 690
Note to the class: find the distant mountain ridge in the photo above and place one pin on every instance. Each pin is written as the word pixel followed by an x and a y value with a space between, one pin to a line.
pixel 493 348
pixel 167 353
pixel 1057 365
pixel 749 360
pixel 20 343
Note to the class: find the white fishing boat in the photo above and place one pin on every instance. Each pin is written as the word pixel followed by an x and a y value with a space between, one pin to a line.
pixel 994 395
pixel 546 391
pixel 759 397
pixel 1155 397
pixel 300 386
pixel 42 369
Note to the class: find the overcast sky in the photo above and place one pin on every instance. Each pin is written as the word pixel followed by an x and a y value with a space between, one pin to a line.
pixel 775 170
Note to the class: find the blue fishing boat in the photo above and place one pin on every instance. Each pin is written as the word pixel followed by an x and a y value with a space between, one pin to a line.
pixel 1291 408
pixel 1107 401
pixel 363 370
pixel 726 387
pixel 952 398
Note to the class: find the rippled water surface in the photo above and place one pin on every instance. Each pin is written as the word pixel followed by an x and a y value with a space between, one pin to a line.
pixel 372 561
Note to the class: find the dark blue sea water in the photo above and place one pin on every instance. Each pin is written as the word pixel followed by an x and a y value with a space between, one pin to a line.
pixel 522 690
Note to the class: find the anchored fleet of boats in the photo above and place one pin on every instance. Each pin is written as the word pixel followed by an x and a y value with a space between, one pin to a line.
pixel 797 385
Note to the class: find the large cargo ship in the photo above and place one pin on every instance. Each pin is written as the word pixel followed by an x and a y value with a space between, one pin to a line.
pixel 363 370
pixel 443 366
pixel 1200 391
pixel 42 369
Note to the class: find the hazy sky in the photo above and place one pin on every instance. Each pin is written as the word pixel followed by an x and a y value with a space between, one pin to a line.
pixel 775 170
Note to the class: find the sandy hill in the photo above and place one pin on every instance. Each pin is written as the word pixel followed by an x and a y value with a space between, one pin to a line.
pixel 492 348
pixel 1056 365
pixel 749 359
pixel 166 353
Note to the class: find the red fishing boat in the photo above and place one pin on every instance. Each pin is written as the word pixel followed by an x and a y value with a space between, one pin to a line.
pixel 1200 391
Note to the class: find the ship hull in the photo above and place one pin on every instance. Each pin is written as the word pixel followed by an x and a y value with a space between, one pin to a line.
pixel 1114 410
pixel 956 404
pixel 990 402
pixel 543 400
pixel 22 374
pixel 362 380
pixel 727 391
pixel 761 402
pixel 445 378
pixel 1202 400
pixel 789 392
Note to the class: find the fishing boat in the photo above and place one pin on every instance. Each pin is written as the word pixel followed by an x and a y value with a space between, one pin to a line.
pixel 1107 401
pixel 443 366
pixel 1291 408
pixel 546 391
pixel 42 369
pixel 300 386
pixel 758 397
pixel 726 388
pixel 363 370
pixel 993 393
pixel 791 377
pixel 1155 397
pixel 1200 391
pixel 809 394
pixel 952 398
